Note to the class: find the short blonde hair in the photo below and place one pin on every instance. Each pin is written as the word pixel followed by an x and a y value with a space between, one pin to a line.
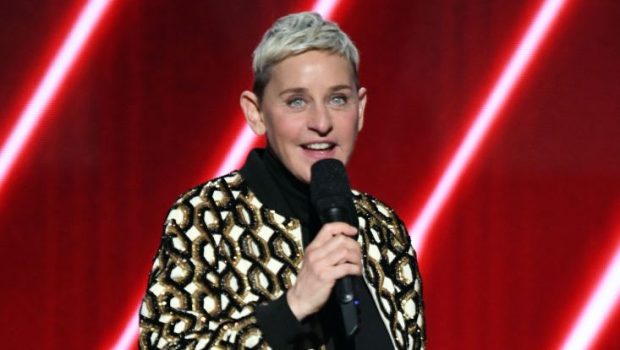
pixel 297 33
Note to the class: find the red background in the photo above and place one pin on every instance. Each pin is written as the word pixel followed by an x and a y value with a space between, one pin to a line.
pixel 151 107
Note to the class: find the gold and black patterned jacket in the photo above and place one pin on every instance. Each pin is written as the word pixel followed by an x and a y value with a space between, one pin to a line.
pixel 223 253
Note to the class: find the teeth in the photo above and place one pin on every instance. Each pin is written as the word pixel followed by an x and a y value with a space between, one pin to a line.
pixel 319 146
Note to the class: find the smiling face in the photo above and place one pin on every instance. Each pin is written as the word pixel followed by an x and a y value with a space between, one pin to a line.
pixel 311 109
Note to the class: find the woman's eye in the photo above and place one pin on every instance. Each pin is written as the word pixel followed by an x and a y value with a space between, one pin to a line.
pixel 339 100
pixel 296 102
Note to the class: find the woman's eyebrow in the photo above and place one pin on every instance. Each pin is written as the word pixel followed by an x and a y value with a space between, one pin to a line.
pixel 341 87
pixel 294 90
pixel 301 90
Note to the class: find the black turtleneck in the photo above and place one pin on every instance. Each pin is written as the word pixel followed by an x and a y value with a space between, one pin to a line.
pixel 281 191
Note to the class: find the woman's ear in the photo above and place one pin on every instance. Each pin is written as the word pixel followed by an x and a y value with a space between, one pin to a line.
pixel 251 110
pixel 361 96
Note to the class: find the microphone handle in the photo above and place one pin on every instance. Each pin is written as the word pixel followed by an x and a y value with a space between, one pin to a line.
pixel 344 286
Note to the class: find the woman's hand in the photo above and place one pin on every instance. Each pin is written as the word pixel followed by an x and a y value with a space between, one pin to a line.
pixel 332 255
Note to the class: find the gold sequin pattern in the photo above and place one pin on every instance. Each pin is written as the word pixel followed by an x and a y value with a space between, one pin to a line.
pixel 222 253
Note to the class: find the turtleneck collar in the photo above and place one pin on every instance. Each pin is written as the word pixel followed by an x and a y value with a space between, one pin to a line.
pixel 276 187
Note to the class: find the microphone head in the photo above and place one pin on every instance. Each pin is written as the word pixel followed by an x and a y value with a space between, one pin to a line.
pixel 328 178
pixel 329 189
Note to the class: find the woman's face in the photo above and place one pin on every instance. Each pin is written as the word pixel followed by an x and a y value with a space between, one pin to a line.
pixel 311 110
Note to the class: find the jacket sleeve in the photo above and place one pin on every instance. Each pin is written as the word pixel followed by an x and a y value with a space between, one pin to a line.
pixel 418 329
pixel 392 270
pixel 192 299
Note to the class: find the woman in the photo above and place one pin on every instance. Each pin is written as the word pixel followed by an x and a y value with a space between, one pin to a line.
pixel 244 262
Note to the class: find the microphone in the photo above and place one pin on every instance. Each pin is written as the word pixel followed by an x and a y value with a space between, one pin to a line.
pixel 330 194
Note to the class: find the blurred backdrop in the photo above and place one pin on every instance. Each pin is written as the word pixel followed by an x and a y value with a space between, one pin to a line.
pixel 150 108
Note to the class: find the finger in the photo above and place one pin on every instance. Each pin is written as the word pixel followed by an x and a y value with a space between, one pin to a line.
pixel 342 270
pixel 332 229
pixel 337 250
pixel 348 255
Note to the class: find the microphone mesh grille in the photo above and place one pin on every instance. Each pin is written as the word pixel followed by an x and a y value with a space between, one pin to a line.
pixel 328 179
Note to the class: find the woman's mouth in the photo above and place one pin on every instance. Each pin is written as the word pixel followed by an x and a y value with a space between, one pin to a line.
pixel 319 150
pixel 319 146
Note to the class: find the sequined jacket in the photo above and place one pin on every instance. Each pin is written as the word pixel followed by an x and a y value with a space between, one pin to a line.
pixel 223 252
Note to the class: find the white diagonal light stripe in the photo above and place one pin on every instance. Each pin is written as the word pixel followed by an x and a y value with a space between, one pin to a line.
pixel 489 112
pixel 48 87
pixel 601 304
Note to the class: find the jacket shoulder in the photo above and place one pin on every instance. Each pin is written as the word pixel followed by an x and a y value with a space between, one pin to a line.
pixel 229 182
pixel 375 210
pixel 374 206
pixel 219 192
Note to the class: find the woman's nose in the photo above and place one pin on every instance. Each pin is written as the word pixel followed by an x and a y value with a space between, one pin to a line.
pixel 321 120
